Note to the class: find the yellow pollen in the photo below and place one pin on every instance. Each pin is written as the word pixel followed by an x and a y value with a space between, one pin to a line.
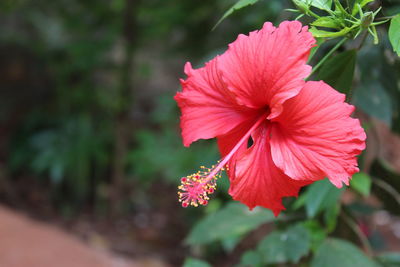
pixel 196 188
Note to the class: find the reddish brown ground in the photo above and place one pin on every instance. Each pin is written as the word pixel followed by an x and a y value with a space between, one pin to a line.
pixel 27 243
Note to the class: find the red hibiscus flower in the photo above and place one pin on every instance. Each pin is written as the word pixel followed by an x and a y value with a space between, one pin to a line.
pixel 301 131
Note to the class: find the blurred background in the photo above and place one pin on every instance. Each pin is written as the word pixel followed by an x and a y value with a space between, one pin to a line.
pixel 89 131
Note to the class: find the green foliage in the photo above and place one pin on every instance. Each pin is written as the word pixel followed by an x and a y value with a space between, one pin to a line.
pixel 338 71
pixel 239 5
pixel 281 246
pixel 191 262
pixel 285 246
pixel 389 259
pixel 251 258
pixel 327 22
pixel 171 161
pixel 361 4
pixel 321 4
pixel 70 139
pixel 325 34
pixel 394 33
pixel 233 220
pixel 229 243
pixel 340 20
pixel 9 5
pixel 331 216
pixel 375 101
pixel 61 138
pixel 66 153
pixel 317 232
pixel 161 154
pixel 378 85
pixel 335 252
pixel 361 182
pixel 319 196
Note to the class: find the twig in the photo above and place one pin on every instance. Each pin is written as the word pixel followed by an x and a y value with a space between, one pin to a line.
pixel 322 61
pixel 388 188
pixel 356 229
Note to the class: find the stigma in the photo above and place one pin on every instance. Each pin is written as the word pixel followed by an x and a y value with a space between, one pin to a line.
pixel 196 188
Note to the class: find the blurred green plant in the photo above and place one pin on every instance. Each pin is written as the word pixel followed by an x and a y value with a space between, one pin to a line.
pixel 72 153
pixel 68 137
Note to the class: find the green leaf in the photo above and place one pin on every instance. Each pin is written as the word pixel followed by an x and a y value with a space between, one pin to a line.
pixel 320 33
pixel 327 22
pixel 285 246
pixel 239 5
pixel 339 9
pixel 336 252
pixel 394 33
pixel 338 71
pixel 191 262
pixel 230 242
pixel 251 258
pixel 300 201
pixel 302 6
pixel 330 217
pixel 233 220
pixel 317 233
pixel 321 4
pixel 321 195
pixel 362 3
pixel 377 91
pixel 389 259
pixel 361 182
pixel 373 99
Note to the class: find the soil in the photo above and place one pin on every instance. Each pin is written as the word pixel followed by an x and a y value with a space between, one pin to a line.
pixel 26 242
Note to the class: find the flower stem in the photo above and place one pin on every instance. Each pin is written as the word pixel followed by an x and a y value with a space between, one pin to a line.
pixel 322 61
pixel 356 229
pixel 388 188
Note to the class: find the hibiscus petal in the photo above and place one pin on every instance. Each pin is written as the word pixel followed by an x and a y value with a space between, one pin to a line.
pixel 315 136
pixel 208 108
pixel 258 181
pixel 268 66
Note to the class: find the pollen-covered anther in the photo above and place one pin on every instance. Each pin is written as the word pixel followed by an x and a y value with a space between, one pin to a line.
pixel 195 188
